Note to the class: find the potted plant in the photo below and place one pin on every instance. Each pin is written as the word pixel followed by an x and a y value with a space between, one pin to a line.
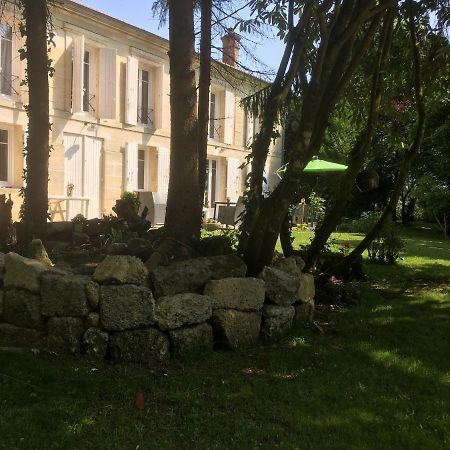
pixel 69 189
pixel 127 207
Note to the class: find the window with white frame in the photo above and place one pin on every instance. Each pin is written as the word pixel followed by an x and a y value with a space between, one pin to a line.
pixel 144 104
pixel 86 81
pixel 5 59
pixel 84 77
pixel 141 170
pixel 140 173
pixel 221 115
pixel 5 157
pixel 143 93
pixel 211 184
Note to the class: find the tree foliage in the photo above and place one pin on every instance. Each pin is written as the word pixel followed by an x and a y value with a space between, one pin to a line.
pixel 325 42
pixel 434 199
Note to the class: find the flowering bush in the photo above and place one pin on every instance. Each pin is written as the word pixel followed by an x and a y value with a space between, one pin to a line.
pixel 346 248
pixel 400 106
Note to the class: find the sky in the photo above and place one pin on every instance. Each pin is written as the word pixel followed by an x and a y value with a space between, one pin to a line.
pixel 138 12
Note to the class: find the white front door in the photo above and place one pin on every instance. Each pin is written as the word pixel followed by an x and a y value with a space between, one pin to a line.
pixel 82 156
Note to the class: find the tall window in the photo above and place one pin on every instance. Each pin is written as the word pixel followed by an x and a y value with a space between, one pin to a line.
pixel 86 82
pixel 211 183
pixel 5 59
pixel 212 116
pixel 141 170
pixel 144 113
pixel 4 156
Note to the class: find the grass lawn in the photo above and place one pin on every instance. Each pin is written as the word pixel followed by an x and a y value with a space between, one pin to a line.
pixel 378 378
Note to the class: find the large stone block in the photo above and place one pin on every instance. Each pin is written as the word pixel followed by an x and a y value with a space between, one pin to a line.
pixel 196 339
pixel 118 269
pixel 236 329
pixel 304 313
pixel 13 336
pixel 281 288
pixel 288 265
pixel 149 346
pixel 92 320
pixel 36 250
pixel 193 274
pixel 182 309
pixel 65 334
pixel 64 295
pixel 282 312
pixel 22 308
pixel 2 265
pixel 24 273
pixel 92 291
pixel 243 294
pixel 277 321
pixel 300 262
pixel 95 342
pixel 306 291
pixel 126 307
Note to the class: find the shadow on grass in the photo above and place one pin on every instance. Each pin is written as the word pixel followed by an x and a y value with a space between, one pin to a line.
pixel 402 273
pixel 378 378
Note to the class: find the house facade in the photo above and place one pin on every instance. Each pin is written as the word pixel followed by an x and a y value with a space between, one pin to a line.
pixel 109 106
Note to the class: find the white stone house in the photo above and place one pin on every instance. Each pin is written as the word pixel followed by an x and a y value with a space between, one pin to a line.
pixel 109 106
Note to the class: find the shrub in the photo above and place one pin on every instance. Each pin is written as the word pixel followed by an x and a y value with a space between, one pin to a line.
pixel 317 207
pixel 218 242
pixel 386 248
pixel 132 198
pixel 79 218
pixel 363 224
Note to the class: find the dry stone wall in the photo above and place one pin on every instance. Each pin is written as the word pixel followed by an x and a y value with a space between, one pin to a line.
pixel 123 313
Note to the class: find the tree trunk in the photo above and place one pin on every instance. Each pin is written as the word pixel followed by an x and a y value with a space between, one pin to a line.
pixel 286 236
pixel 184 201
pixel 359 151
pixel 345 38
pixel 35 210
pixel 7 230
pixel 408 158
pixel 203 89
pixel 279 89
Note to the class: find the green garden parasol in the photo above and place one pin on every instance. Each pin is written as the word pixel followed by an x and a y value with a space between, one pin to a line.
pixel 317 166
pixel 320 165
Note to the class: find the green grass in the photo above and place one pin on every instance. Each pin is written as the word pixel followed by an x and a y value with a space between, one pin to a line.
pixel 378 378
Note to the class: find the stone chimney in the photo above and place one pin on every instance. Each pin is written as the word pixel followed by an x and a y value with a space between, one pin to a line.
pixel 231 44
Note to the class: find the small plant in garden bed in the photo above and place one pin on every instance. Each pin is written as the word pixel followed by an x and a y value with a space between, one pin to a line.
pixel 362 224
pixel 386 248
pixel 219 242
pixel 346 248
pixel 78 223
pixel 131 198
